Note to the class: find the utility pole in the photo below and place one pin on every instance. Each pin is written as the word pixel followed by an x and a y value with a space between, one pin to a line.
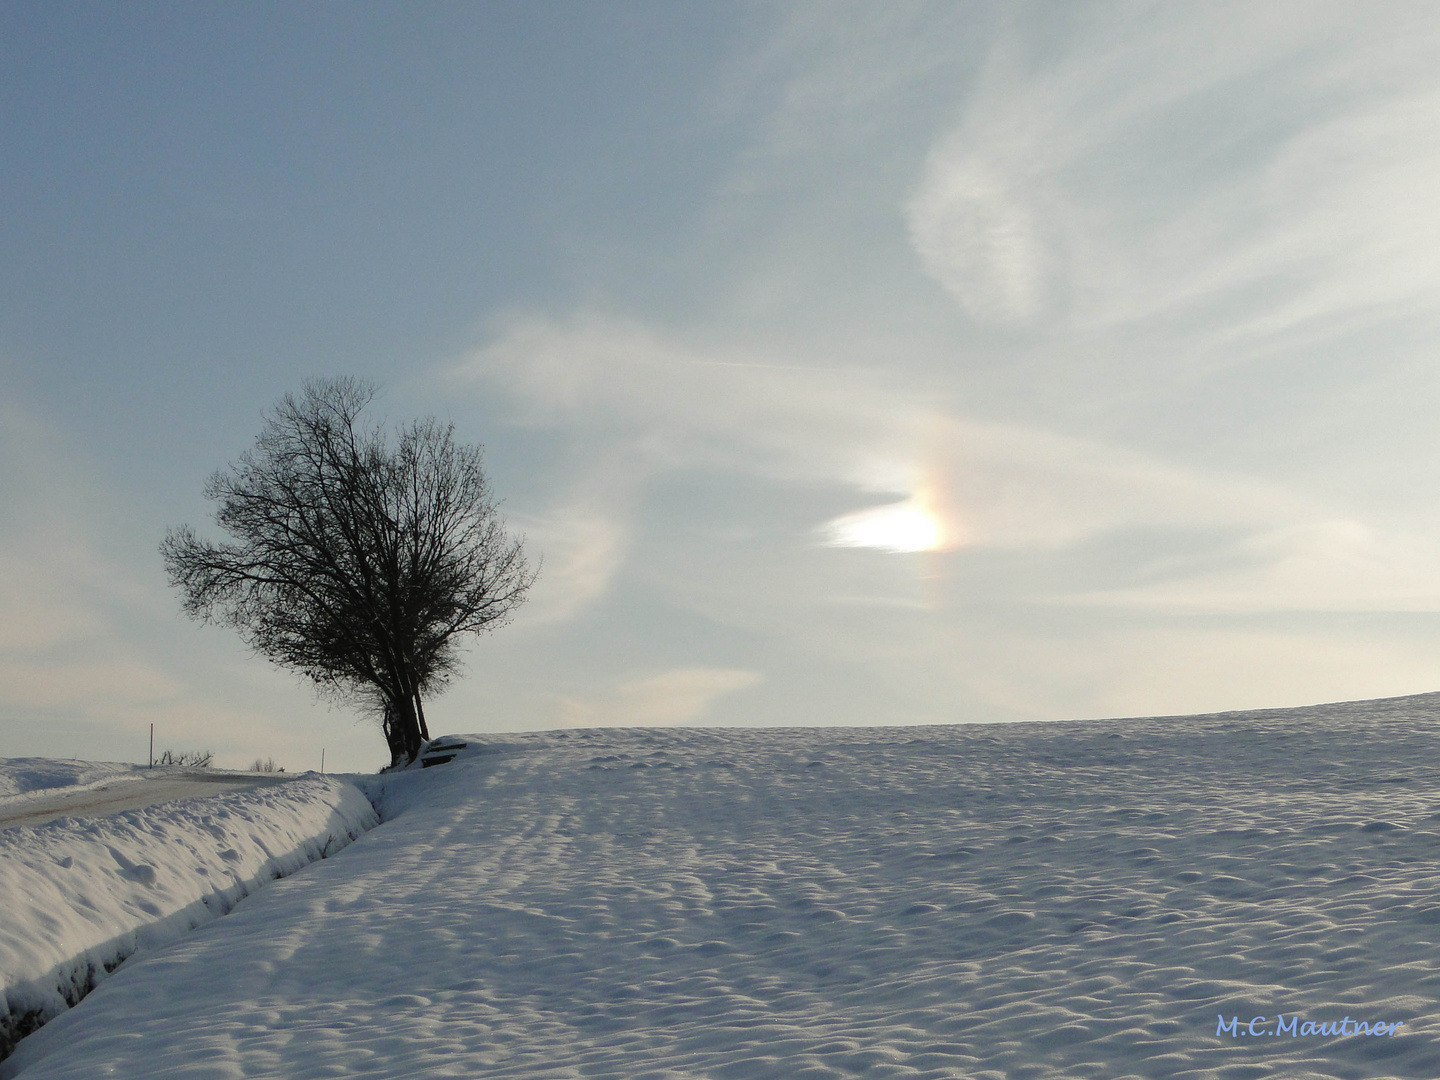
pixel 152 746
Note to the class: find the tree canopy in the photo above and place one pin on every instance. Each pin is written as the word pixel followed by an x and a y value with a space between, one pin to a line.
pixel 357 560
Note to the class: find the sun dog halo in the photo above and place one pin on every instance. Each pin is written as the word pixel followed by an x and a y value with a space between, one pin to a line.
pixel 898 527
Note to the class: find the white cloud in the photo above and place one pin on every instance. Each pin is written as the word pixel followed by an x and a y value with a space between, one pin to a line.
pixel 637 404
pixel 979 232
pixel 1264 169
pixel 1154 196
pixel 1005 486
pixel 580 547
pixel 646 404
pixel 579 541
pixel 827 81
pixel 650 401
pixel 678 696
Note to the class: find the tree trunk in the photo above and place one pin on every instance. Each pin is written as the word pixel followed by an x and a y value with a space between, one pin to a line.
pixel 394 737
pixel 402 730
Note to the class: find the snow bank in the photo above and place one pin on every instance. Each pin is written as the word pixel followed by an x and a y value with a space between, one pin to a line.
pixel 79 896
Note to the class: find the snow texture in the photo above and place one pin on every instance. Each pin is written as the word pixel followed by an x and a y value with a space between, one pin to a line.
pixel 1015 902
pixel 79 896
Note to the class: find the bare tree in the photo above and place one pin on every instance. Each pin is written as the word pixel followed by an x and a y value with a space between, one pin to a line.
pixel 356 561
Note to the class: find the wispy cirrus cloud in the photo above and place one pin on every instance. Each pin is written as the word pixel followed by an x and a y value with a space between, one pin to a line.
pixel 1161 228
pixel 1130 177
pixel 639 405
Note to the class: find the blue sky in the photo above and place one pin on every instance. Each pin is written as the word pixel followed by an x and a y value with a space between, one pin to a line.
pixel 846 364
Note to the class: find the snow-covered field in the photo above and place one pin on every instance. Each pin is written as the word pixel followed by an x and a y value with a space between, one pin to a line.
pixel 990 903
pixel 79 896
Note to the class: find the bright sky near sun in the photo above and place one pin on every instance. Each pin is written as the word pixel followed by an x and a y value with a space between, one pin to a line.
pixel 844 363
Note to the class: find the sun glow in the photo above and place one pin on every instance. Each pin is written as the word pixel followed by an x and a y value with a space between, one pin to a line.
pixel 899 527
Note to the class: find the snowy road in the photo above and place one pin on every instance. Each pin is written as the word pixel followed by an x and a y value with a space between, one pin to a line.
pixel 1023 902
pixel 131 791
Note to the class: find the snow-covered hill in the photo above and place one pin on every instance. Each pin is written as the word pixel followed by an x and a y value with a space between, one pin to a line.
pixel 1022 902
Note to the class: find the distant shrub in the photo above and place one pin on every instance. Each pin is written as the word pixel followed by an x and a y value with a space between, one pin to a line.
pixel 265 765
pixel 194 759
